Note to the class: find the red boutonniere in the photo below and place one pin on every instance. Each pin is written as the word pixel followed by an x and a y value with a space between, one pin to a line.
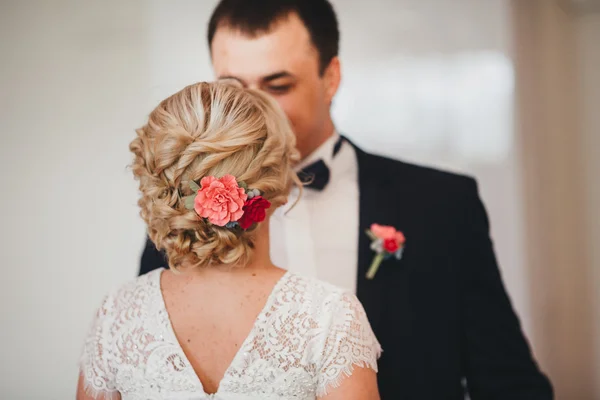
pixel 386 242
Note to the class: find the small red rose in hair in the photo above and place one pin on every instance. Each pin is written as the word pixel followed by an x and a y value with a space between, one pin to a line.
pixel 254 211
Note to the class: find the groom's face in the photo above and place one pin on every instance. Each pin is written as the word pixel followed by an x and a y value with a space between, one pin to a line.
pixel 284 63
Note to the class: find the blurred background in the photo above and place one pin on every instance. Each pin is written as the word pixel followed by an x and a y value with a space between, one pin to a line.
pixel 504 90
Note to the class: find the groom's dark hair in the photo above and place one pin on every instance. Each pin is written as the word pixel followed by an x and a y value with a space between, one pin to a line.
pixel 255 17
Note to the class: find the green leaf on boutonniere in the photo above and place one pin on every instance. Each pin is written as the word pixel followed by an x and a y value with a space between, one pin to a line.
pixel 189 201
pixel 194 186
pixel 371 235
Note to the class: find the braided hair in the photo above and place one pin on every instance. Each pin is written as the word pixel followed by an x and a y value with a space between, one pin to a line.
pixel 209 129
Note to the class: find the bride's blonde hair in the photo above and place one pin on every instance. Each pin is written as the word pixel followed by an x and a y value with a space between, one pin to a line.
pixel 210 129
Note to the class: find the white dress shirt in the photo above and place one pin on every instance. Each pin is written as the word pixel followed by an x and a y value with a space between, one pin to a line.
pixel 318 237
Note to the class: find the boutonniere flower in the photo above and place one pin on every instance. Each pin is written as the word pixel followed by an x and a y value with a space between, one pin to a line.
pixel 386 242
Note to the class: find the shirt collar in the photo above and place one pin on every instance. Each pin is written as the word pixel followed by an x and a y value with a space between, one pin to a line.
pixel 323 152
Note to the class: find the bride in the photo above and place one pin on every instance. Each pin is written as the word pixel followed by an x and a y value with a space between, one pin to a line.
pixel 213 163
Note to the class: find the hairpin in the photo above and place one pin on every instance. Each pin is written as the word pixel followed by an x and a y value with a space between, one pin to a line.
pixel 226 202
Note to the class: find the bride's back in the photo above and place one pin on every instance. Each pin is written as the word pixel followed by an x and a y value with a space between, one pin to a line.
pixel 213 162
pixel 212 315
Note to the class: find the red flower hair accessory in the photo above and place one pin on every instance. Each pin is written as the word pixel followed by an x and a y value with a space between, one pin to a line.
pixel 227 203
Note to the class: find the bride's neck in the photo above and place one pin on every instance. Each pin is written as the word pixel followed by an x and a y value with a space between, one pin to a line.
pixel 261 258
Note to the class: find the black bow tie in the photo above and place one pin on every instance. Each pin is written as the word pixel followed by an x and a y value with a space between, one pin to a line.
pixel 316 175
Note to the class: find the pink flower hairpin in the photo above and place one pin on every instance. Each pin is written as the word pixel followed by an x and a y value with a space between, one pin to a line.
pixel 227 203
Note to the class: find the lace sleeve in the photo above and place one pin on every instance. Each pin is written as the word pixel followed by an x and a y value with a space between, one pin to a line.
pixel 98 376
pixel 349 341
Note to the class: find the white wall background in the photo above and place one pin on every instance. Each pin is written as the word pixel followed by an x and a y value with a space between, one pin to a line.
pixel 429 81
pixel 74 83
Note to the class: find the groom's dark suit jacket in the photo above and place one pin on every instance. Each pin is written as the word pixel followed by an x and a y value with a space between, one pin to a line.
pixel 441 313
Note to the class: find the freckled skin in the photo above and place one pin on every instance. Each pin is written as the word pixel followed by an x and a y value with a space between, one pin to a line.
pixel 213 315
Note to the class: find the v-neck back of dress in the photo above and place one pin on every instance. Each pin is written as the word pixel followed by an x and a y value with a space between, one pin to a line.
pixel 306 339
pixel 248 339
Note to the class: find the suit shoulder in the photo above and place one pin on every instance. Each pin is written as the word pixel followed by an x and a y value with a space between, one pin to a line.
pixel 424 176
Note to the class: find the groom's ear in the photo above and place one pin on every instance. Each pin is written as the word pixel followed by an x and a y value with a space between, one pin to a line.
pixel 332 77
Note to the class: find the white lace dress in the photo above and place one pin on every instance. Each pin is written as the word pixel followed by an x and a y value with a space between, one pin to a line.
pixel 307 338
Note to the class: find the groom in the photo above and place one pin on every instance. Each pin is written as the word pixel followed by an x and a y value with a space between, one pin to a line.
pixel 441 311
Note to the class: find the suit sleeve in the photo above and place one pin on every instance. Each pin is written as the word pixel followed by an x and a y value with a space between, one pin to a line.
pixel 152 258
pixel 497 359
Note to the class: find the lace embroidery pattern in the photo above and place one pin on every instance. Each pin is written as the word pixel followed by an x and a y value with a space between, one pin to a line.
pixel 306 340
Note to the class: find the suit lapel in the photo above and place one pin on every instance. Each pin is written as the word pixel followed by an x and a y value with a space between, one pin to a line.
pixel 374 206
